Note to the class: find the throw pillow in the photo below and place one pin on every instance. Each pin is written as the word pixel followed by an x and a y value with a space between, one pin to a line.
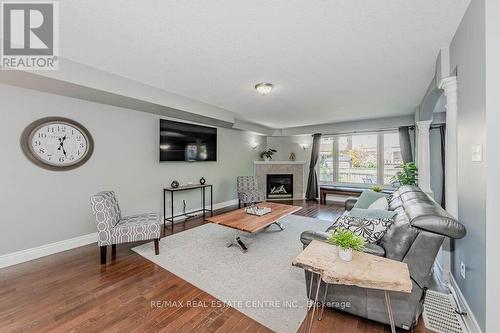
pixel 372 213
pixel 367 198
pixel 380 204
pixel 371 229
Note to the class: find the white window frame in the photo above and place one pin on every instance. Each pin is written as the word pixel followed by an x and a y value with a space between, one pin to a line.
pixel 380 159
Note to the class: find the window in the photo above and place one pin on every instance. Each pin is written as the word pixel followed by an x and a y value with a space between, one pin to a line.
pixel 392 156
pixel 355 159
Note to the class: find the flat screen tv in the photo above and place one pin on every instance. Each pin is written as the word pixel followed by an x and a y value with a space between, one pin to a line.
pixel 187 142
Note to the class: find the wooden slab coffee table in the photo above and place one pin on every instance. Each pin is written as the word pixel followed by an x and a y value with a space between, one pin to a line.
pixel 241 221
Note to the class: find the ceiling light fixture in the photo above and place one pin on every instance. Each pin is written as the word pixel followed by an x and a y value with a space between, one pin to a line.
pixel 264 88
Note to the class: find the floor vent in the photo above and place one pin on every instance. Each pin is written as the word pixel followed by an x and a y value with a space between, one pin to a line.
pixel 440 315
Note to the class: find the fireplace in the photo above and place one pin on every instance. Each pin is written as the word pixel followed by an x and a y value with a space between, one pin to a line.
pixel 280 186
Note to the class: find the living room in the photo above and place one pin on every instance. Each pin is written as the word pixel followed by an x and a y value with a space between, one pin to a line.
pixel 249 166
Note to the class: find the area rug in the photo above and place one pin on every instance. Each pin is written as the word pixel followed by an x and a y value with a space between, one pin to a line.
pixel 260 283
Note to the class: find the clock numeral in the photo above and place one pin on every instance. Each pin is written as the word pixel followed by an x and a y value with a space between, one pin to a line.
pixel 61 159
pixel 78 138
pixel 61 128
pixel 42 135
pixel 50 129
pixel 38 142
pixel 82 145
pixel 42 150
pixel 49 157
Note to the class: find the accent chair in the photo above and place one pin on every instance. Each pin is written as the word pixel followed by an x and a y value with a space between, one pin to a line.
pixel 114 229
pixel 248 191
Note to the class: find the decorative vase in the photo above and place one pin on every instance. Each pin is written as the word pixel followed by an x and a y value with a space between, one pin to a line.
pixel 202 181
pixel 346 254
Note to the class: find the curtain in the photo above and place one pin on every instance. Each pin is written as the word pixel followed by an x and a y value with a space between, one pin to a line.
pixel 312 182
pixel 405 144
pixel 442 131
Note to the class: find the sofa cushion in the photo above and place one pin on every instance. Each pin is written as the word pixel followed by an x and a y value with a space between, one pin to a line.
pixel 371 229
pixel 380 203
pixel 367 198
pixel 372 213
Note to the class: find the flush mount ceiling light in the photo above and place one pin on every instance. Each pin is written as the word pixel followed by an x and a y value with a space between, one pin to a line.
pixel 264 88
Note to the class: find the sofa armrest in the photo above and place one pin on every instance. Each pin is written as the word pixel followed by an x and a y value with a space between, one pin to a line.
pixel 350 202
pixel 308 236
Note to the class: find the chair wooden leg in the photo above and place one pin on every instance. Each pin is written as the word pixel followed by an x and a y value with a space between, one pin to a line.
pixel 113 250
pixel 157 246
pixel 103 254
pixel 239 203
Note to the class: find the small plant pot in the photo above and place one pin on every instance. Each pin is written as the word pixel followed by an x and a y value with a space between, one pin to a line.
pixel 345 255
pixel 266 159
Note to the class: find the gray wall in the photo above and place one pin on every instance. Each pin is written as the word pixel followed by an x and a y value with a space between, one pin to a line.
pixel 41 207
pixel 467 53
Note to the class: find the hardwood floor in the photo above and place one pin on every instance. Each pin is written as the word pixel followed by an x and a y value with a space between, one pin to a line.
pixel 71 291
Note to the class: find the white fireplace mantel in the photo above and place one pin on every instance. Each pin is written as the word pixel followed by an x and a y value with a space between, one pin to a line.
pixel 280 162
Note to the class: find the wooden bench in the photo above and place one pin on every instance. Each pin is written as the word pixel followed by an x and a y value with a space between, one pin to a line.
pixel 342 190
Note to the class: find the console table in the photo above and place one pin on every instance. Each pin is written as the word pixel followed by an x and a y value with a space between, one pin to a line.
pixel 173 190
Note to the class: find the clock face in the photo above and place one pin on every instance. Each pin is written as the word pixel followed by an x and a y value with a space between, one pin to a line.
pixel 57 143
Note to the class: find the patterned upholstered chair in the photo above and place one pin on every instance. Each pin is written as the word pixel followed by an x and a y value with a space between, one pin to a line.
pixel 114 229
pixel 248 191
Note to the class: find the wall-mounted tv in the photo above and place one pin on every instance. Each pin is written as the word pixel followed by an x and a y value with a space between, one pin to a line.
pixel 187 142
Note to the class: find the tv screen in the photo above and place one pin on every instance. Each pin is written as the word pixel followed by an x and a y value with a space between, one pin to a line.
pixel 187 142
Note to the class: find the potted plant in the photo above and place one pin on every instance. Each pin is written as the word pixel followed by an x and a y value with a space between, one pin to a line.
pixel 377 189
pixel 407 176
pixel 346 241
pixel 267 154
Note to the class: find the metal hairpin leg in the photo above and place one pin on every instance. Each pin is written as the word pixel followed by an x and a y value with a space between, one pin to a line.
pixel 315 304
pixel 323 304
pixel 309 303
pixel 389 311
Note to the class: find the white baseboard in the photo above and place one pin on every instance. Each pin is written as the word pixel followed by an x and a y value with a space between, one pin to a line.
pixel 18 257
pixel 470 319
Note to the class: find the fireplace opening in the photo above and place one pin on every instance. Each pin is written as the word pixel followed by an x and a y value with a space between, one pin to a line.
pixel 280 186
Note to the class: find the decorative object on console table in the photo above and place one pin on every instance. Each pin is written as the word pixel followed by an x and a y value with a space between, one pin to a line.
pixel 202 181
pixel 172 190
pixel 174 184
pixel 267 154
pixel 346 241
pixel 57 143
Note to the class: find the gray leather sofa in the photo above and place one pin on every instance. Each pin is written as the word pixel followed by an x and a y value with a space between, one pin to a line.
pixel 415 237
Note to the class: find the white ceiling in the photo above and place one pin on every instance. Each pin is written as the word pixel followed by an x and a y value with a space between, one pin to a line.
pixel 330 61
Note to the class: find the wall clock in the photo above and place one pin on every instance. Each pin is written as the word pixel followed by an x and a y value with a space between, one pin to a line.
pixel 57 143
